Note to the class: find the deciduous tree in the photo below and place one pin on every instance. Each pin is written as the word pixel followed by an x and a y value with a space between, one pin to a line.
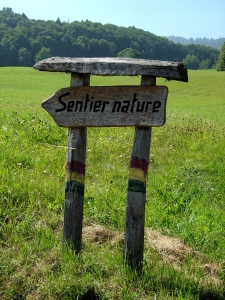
pixel 130 52
pixel 191 62
pixel 24 57
pixel 43 53
pixel 221 60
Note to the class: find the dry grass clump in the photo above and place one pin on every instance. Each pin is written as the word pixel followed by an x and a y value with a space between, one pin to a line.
pixel 98 233
pixel 176 253
pixel 171 250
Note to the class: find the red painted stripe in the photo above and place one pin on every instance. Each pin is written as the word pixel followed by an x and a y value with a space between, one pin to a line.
pixel 75 166
pixel 139 163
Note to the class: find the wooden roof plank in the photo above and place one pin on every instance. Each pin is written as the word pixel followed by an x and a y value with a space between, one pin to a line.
pixel 115 66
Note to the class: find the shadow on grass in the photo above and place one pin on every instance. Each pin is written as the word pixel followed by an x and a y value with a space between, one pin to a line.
pixel 211 295
pixel 91 295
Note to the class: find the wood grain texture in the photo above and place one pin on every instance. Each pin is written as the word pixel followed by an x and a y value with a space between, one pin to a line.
pixel 75 176
pixel 115 66
pixel 108 106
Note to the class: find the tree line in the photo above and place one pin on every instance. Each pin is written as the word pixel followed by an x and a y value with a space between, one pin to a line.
pixel 24 41
pixel 215 43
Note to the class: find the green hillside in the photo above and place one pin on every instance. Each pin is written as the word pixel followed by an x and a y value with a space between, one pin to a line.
pixel 24 41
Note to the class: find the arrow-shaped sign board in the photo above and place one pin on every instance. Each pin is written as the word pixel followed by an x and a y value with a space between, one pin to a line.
pixel 87 106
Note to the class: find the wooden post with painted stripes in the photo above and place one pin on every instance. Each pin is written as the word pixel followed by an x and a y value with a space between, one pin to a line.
pixel 75 176
pixel 136 194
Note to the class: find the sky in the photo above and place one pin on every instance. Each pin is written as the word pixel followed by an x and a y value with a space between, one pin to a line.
pixel 185 18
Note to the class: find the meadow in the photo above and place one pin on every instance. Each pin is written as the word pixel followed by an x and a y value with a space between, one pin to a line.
pixel 184 255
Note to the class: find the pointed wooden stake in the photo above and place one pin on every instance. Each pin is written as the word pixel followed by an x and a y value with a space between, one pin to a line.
pixel 75 176
pixel 136 195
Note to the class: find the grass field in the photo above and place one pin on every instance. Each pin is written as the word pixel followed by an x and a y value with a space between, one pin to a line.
pixel 185 220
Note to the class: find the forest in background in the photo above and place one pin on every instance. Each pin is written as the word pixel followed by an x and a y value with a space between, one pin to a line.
pixel 24 41
pixel 215 43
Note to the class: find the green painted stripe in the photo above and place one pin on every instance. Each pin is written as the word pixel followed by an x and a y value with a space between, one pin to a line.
pixel 136 186
pixel 74 186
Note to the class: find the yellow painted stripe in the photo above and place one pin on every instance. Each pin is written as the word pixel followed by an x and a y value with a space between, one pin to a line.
pixel 137 174
pixel 73 176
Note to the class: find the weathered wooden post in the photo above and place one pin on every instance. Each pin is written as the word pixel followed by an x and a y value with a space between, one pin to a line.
pixel 81 106
pixel 136 194
pixel 75 176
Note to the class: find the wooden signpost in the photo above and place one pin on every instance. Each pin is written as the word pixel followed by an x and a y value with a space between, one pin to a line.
pixel 80 106
pixel 108 106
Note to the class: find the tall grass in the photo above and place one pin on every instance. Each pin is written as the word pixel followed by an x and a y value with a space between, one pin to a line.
pixel 185 194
